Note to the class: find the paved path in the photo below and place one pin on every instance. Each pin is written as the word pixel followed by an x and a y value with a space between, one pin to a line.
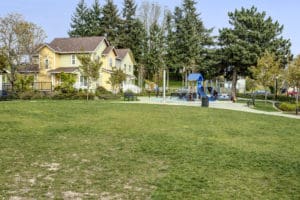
pixel 228 105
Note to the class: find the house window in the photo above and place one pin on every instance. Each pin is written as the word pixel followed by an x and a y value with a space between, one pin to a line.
pixel 46 63
pixel 125 68
pixel 73 59
pixel 129 69
pixel 83 81
pixel 110 62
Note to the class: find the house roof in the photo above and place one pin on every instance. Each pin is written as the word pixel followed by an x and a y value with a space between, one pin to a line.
pixel 76 44
pixel 108 50
pixel 28 69
pixel 68 70
pixel 122 53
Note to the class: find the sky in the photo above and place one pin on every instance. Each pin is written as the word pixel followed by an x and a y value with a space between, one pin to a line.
pixel 54 16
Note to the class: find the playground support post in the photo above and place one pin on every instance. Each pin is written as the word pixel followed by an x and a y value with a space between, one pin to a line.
pixel 164 85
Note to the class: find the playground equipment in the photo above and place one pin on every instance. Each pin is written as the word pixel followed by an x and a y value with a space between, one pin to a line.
pixel 195 80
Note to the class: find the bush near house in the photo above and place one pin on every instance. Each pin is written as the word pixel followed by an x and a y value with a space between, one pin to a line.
pixel 104 94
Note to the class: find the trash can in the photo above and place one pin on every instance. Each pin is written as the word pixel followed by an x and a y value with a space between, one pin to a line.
pixel 205 102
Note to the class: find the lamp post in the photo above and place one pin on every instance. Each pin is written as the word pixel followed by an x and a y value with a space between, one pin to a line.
pixel 164 86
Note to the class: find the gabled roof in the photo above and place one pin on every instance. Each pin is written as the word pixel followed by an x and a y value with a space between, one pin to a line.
pixel 76 44
pixel 123 52
pixel 108 50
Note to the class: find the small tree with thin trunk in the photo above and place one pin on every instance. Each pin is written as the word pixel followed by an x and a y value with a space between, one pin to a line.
pixel 90 69
pixel 266 71
pixel 116 79
pixel 293 77
pixel 250 84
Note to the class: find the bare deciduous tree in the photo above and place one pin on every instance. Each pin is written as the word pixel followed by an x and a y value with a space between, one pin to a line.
pixel 18 39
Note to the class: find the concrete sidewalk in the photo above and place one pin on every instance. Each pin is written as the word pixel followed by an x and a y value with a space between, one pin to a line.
pixel 228 105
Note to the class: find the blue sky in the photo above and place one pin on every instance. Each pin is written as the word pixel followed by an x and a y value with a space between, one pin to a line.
pixel 54 16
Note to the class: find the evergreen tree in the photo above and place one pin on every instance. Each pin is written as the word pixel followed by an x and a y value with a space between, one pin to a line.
pixel 128 28
pixel 155 60
pixel 179 48
pixel 170 42
pixel 133 36
pixel 95 28
pixel 79 25
pixel 110 21
pixel 250 36
pixel 192 39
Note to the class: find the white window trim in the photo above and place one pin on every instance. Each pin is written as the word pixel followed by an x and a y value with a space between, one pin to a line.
pixel 73 58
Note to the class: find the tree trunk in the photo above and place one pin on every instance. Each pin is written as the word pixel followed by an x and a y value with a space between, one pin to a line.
pixel 266 95
pixel 186 78
pixel 233 86
pixel 183 81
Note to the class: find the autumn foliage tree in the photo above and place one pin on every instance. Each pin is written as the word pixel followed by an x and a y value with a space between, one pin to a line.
pixel 18 40
pixel 266 70
pixel 293 76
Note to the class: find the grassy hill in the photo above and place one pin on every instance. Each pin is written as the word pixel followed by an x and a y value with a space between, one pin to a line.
pixel 95 150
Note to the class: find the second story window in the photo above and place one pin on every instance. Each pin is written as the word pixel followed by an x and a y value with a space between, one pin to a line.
pixel 125 68
pixel 46 63
pixel 110 62
pixel 129 69
pixel 73 59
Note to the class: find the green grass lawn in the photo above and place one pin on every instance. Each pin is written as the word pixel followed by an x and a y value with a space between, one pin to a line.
pixel 261 105
pixel 96 150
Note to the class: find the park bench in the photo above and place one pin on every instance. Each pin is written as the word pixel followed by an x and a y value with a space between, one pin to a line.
pixel 128 96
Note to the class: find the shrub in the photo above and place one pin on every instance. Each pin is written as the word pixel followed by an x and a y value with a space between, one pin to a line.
pixel 281 98
pixel 110 96
pixel 76 95
pixel 287 107
pixel 101 90
pixel 27 95
pixel 8 96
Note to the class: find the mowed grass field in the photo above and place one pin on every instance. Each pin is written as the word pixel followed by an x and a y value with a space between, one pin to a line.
pixel 100 150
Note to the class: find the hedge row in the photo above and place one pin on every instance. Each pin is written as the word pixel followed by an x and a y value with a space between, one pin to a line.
pixel 76 95
pixel 281 98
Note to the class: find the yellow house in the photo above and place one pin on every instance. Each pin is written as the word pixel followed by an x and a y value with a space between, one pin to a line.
pixel 126 62
pixel 61 56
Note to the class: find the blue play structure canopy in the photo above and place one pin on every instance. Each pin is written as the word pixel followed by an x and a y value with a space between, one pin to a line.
pixel 195 77
pixel 198 78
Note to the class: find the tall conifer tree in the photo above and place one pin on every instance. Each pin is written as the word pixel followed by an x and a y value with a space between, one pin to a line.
pixel 251 34
pixel 95 28
pixel 110 22
pixel 79 24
